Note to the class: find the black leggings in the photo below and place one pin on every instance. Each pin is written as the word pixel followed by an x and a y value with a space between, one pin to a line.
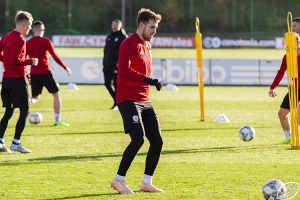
pixel 140 120
pixel 20 123
pixel 110 81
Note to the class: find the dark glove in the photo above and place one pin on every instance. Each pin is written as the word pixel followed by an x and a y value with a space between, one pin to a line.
pixel 154 82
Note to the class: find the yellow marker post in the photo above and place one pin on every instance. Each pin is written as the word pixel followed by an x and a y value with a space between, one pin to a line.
pixel 292 69
pixel 198 41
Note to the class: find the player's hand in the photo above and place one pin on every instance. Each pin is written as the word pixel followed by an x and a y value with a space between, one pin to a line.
pixel 69 71
pixel 35 61
pixel 29 78
pixel 272 93
pixel 158 84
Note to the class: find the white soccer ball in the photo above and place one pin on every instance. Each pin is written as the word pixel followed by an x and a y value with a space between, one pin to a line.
pixel 35 118
pixel 247 133
pixel 274 189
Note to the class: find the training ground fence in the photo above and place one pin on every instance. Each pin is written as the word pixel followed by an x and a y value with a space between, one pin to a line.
pixel 178 71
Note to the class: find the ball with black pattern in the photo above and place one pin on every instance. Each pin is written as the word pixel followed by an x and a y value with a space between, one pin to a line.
pixel 274 190
pixel 247 133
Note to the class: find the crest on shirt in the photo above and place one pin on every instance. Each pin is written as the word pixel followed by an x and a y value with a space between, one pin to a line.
pixel 116 39
pixel 135 119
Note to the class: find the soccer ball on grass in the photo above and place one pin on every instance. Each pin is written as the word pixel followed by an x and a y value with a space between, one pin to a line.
pixel 274 189
pixel 247 133
pixel 35 118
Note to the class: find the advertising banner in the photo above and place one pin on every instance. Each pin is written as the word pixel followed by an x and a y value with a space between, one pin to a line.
pixel 177 71
pixel 172 42
pixel 180 71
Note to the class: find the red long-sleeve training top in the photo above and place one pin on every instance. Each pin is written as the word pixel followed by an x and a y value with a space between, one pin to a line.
pixel 13 55
pixel 281 72
pixel 38 47
pixel 134 64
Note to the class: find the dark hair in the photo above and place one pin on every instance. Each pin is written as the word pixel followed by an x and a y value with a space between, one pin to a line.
pixel 23 16
pixel 117 21
pixel 296 19
pixel 37 23
pixel 144 15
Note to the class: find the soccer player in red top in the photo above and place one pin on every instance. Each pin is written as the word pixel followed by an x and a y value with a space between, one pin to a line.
pixel 39 46
pixel 285 105
pixel 139 117
pixel 14 92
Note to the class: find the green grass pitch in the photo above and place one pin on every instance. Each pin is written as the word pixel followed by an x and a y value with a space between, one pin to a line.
pixel 200 160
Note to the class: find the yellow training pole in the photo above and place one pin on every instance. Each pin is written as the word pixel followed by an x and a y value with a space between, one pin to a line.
pixel 198 41
pixel 292 68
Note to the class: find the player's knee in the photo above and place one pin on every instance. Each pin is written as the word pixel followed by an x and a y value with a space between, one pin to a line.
pixel 24 112
pixel 282 114
pixel 138 142
pixel 137 138
pixel 55 94
pixel 8 113
pixel 158 142
pixel 136 132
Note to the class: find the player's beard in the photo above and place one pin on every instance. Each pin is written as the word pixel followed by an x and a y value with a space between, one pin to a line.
pixel 147 37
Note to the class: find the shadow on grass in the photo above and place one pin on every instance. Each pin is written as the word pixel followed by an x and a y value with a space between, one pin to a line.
pixel 70 158
pixel 90 195
pixel 42 125
pixel 84 196
pixel 79 133
pixel 163 130
pixel 235 128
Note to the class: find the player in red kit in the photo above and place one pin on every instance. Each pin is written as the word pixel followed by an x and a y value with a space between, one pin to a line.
pixel 39 46
pixel 139 117
pixel 14 92
pixel 284 109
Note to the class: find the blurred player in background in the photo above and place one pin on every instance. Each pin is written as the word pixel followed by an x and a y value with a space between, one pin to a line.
pixel 39 46
pixel 14 92
pixel 139 116
pixel 110 59
pixel 284 109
